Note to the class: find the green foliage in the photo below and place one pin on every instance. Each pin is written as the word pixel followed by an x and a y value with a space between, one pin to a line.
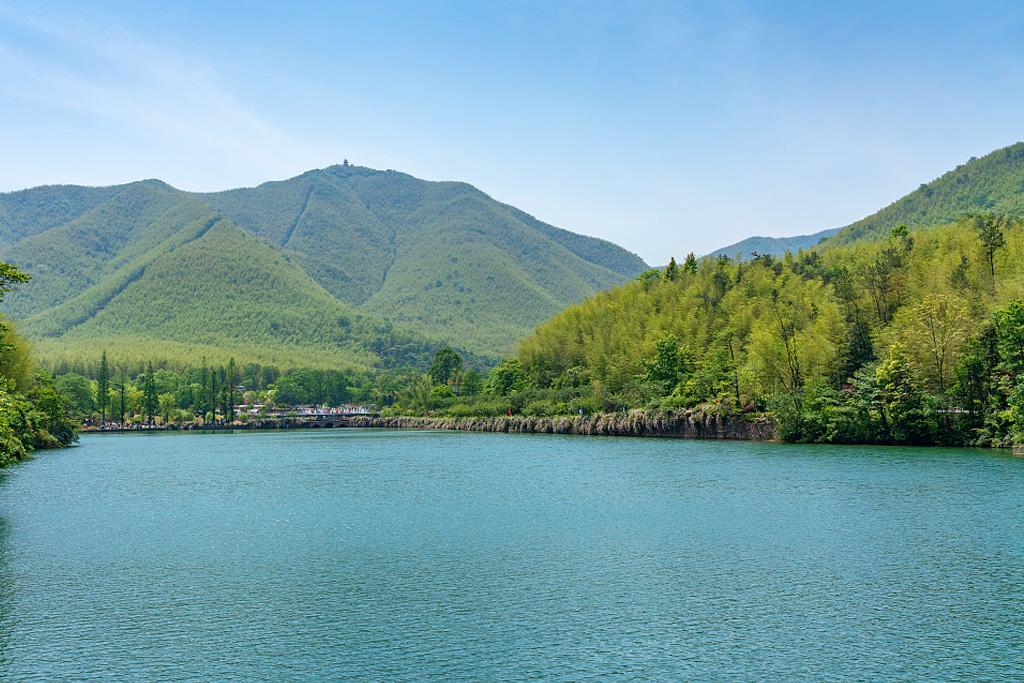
pixel 798 337
pixel 150 397
pixel 690 264
pixel 670 363
pixel 506 377
pixel 990 184
pixel 1009 326
pixel 103 387
pixel 54 425
pixel 33 412
pixel 1015 404
pixel 339 267
pixel 418 397
pixel 472 383
pixel 671 270
pixel 901 399
pixel 446 365
pixel 16 362
pixel 79 392
pixel 990 233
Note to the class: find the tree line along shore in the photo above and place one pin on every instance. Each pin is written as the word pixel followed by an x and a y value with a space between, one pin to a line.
pixel 917 339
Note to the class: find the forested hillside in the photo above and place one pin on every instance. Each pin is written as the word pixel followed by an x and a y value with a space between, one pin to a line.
pixel 248 301
pixel 993 183
pixel 442 258
pixel 916 338
pixel 34 413
pixel 407 266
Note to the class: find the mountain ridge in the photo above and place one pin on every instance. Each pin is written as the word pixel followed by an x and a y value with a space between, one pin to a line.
pixel 990 183
pixel 440 261
pixel 772 246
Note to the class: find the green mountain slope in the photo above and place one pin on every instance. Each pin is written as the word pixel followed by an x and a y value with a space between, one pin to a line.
pixel 773 246
pixel 994 182
pixel 442 257
pixel 440 260
pixel 222 292
pixel 40 208
pixel 69 258
pixel 910 339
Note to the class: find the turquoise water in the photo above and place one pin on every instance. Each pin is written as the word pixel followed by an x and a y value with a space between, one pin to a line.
pixel 405 556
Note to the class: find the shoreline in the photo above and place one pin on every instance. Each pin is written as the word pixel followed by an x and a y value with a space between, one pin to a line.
pixel 686 425
pixel 636 423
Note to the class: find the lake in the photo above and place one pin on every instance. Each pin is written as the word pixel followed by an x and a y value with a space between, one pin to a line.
pixel 403 556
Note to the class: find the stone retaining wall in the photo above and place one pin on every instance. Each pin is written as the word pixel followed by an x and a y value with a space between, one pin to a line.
pixel 685 424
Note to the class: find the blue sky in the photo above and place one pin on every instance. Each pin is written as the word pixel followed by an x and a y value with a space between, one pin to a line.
pixel 664 127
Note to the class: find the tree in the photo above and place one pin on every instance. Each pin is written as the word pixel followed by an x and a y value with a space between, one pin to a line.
pixel 446 364
pixel 472 382
pixel 976 377
pixel 269 375
pixel 15 359
pixel 211 400
pixel 672 270
pixel 690 264
pixel 901 399
pixel 103 387
pixel 959 279
pixel 121 399
pixel 933 331
pixel 290 391
pixel 884 275
pixel 1016 411
pixel 335 386
pixel 1010 335
pixel 506 377
pixel 231 388
pixel 150 399
pixel 168 404
pixel 204 383
pixel 11 277
pixel 252 376
pixel 669 363
pixel 419 396
pixel 78 389
pixel 989 229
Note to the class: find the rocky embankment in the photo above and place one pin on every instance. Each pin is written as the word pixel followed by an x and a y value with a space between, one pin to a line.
pixel 685 424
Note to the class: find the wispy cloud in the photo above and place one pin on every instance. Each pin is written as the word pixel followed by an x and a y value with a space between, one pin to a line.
pixel 108 72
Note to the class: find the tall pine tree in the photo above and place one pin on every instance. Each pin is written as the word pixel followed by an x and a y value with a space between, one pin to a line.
pixel 232 385
pixel 103 387
pixel 121 402
pixel 204 382
pixel 213 396
pixel 150 400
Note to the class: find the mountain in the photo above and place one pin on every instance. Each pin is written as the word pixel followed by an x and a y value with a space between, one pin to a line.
pixel 774 246
pixel 992 183
pixel 343 265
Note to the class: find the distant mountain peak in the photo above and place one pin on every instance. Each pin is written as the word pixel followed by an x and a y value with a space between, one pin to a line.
pixel 772 246
pixel 440 260
pixel 991 183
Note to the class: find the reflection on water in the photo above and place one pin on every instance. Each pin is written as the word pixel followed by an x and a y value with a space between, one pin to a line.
pixel 411 555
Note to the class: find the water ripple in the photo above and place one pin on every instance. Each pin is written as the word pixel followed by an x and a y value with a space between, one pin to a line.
pixel 411 556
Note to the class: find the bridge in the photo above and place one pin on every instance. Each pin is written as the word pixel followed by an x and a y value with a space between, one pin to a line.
pixel 308 420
